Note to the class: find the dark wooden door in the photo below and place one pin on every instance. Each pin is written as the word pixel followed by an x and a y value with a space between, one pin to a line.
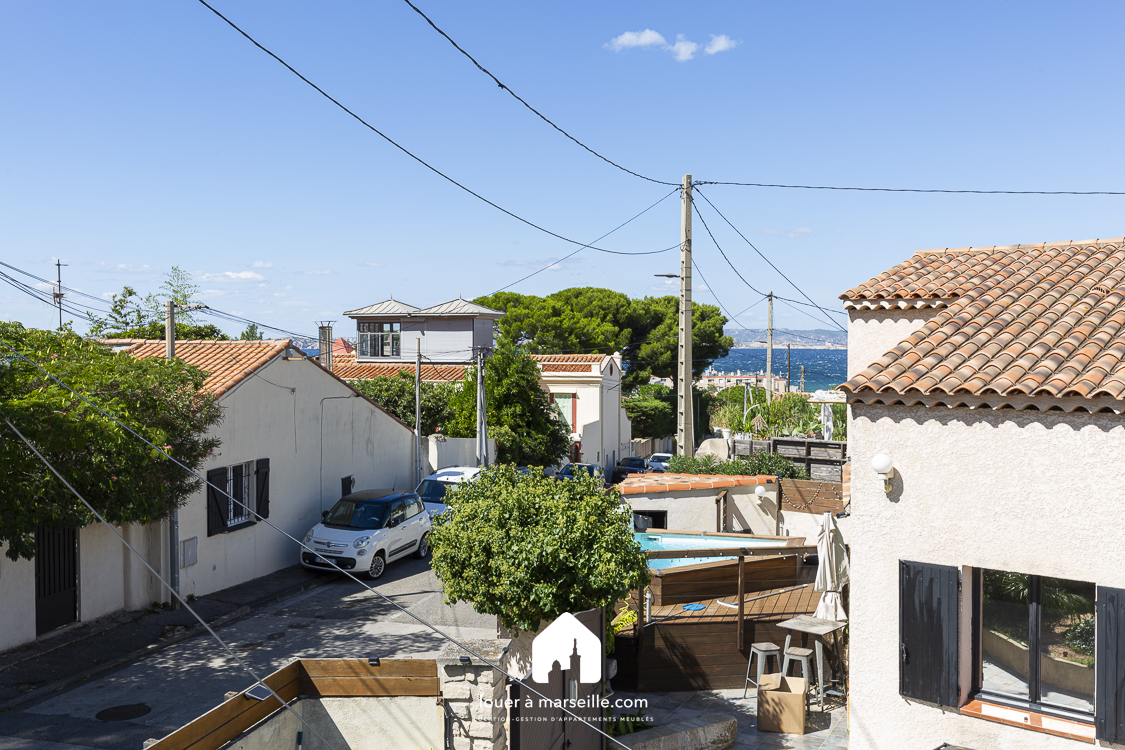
pixel 56 578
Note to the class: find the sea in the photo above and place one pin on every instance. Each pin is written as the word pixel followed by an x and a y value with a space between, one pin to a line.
pixel 824 368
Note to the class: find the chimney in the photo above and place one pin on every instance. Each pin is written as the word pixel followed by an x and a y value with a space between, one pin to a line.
pixel 325 336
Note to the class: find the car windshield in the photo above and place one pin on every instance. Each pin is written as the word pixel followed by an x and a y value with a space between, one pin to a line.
pixel 632 463
pixel 661 457
pixel 570 469
pixel 432 491
pixel 358 514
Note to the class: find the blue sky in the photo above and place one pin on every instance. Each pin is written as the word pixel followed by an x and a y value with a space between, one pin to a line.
pixel 141 135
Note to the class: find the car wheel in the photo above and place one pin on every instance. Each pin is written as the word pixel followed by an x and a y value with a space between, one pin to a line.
pixel 423 550
pixel 378 566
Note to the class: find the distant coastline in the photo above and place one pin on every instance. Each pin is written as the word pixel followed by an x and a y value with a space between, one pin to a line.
pixel 787 345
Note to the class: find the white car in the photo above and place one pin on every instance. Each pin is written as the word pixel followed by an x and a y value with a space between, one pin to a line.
pixel 432 489
pixel 658 462
pixel 366 530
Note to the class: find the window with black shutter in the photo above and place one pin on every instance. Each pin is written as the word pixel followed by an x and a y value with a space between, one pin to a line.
pixel 1109 703
pixel 928 620
pixel 217 503
pixel 262 487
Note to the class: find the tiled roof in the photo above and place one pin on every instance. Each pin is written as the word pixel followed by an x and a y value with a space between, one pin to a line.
pixel 568 357
pixel 386 307
pixel 349 369
pixel 1027 321
pixel 650 483
pixel 227 363
pixel 557 367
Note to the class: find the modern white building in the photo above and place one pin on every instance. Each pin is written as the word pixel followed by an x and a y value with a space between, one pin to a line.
pixel 293 438
pixel 587 390
pixel 392 331
pixel 987 438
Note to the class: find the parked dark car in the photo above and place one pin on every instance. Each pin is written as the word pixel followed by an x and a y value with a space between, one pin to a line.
pixel 570 470
pixel 627 467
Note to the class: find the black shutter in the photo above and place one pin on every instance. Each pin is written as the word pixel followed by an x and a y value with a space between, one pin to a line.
pixel 262 488
pixel 1109 703
pixel 217 502
pixel 928 609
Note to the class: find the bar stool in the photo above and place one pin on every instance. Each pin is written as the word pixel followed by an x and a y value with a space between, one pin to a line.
pixel 804 656
pixel 764 651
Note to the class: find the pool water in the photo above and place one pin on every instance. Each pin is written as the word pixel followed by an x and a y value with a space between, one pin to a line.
pixel 650 541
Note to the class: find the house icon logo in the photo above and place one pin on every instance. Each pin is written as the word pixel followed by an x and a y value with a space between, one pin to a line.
pixel 568 645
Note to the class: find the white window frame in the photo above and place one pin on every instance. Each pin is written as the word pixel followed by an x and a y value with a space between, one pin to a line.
pixel 240 513
pixel 380 340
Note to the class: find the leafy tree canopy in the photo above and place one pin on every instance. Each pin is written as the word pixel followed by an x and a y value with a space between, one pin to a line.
pixel 396 395
pixel 590 319
pixel 131 317
pixel 251 333
pixel 529 548
pixel 651 410
pixel 527 427
pixel 123 478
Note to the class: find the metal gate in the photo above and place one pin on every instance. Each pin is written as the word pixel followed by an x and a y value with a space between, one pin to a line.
pixel 538 724
pixel 56 578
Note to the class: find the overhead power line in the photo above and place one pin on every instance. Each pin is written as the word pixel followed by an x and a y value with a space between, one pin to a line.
pixel 520 99
pixel 258 517
pixel 763 257
pixel 915 190
pixel 183 602
pixel 401 148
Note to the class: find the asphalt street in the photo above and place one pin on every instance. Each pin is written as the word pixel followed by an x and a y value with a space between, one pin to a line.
pixel 178 684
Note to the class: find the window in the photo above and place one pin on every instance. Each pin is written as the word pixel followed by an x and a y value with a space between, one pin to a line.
pixel 240 494
pixel 1036 641
pixel 380 339
pixel 565 402
pixel 413 507
pixel 398 512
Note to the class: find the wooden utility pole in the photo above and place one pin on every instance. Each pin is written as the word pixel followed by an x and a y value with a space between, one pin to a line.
pixel 769 350
pixel 482 410
pixel 418 415
pixel 788 367
pixel 174 519
pixel 685 434
pixel 170 329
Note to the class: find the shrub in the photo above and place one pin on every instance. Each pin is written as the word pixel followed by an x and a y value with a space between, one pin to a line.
pixel 1080 637
pixel 756 464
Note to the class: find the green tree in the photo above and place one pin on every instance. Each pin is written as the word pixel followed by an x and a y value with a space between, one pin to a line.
pixel 529 548
pixel 130 317
pixel 655 325
pixel 251 333
pixel 756 464
pixel 651 410
pixel 527 427
pixel 396 395
pixel 123 478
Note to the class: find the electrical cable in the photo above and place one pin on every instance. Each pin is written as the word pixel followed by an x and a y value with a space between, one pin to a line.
pixel 762 255
pixel 183 602
pixel 518 98
pixel 599 239
pixel 302 545
pixel 915 190
pixel 403 149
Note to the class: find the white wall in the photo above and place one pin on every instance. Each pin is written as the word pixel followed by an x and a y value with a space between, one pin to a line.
pixel 694 510
pixel 1029 492
pixel 873 333
pixel 449 339
pixel 356 723
pixel 441 454
pixel 17 600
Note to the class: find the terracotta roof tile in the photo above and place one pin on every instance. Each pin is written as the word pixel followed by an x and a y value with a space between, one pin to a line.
pixel 227 363
pixel 1022 320
pixel 558 367
pixel 568 357
pixel 349 369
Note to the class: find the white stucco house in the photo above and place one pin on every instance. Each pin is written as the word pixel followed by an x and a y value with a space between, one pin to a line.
pixel 587 390
pixel 988 569
pixel 293 438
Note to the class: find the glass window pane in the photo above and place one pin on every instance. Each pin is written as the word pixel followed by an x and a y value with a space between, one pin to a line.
pixel 1004 632
pixel 1066 644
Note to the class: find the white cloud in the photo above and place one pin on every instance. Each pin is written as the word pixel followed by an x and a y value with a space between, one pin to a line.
pixel 720 43
pixel 630 39
pixel 369 264
pixel 791 234
pixel 316 273
pixel 261 264
pixel 683 50
pixel 556 265
pixel 124 268
pixel 232 276
pixel 44 287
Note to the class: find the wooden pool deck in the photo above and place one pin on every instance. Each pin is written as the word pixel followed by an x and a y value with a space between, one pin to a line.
pixel 766 605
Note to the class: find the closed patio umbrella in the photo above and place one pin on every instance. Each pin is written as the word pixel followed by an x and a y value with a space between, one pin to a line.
pixel 832 570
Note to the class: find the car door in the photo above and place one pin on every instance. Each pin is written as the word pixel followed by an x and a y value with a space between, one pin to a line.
pixel 396 529
pixel 415 523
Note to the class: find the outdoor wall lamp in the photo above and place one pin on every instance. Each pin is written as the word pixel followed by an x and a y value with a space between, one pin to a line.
pixel 760 490
pixel 885 468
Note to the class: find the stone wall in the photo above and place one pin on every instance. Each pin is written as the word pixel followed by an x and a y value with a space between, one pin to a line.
pixel 474 695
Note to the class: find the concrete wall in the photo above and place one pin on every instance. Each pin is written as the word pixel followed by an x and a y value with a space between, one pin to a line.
pixel 694 510
pixel 17 600
pixel 356 723
pixel 1009 490
pixel 441 454
pixel 873 333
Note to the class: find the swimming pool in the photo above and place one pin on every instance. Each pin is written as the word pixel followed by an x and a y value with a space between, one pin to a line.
pixel 650 541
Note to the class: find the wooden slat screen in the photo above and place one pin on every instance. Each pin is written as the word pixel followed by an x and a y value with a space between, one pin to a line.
pixel 928 623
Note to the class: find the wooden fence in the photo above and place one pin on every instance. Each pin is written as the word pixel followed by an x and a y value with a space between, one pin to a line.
pixel 808 496
pixel 305 678
pixel 822 459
